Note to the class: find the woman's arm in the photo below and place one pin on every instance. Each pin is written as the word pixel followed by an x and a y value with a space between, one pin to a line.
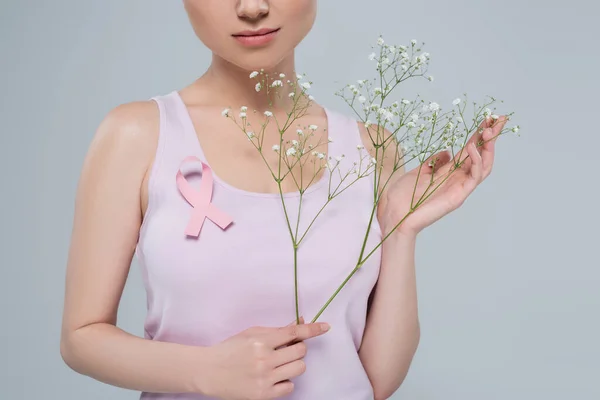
pixel 392 331
pixel 105 230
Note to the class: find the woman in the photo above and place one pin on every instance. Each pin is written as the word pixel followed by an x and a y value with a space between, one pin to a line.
pixel 220 310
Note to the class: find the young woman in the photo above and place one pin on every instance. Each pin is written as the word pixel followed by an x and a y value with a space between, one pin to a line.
pixel 221 310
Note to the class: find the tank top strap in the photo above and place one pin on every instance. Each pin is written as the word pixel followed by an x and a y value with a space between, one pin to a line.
pixel 177 123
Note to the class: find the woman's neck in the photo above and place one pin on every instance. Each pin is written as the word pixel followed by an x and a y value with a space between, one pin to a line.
pixel 232 86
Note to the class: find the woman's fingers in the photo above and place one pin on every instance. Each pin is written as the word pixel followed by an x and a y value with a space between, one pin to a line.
pixel 282 389
pixel 295 333
pixel 498 125
pixel 289 353
pixel 476 171
pixel 487 152
pixel 289 371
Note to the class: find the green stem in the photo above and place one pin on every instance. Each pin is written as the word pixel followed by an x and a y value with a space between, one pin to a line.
pixel 362 250
pixel 296 284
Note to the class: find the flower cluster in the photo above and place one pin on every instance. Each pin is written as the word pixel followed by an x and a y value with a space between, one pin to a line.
pixel 414 129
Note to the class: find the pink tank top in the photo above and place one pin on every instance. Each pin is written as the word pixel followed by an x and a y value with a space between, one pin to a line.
pixel 204 289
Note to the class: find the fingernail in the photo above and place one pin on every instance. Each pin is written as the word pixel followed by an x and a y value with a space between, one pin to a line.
pixel 325 327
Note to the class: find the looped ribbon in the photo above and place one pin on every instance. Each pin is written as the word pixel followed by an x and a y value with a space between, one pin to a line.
pixel 200 200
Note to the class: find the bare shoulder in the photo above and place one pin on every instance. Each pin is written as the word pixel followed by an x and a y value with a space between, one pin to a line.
pixel 131 127
pixel 122 150
pixel 376 134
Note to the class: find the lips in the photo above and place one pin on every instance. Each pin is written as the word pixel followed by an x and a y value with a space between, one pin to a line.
pixel 256 38
pixel 259 32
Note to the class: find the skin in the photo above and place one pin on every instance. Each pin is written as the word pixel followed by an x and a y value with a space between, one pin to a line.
pixel 112 197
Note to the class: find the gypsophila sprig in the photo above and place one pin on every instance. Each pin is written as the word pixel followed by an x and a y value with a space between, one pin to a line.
pixel 417 129
pixel 401 130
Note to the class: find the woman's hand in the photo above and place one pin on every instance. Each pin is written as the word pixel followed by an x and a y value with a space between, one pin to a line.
pixel 449 193
pixel 258 363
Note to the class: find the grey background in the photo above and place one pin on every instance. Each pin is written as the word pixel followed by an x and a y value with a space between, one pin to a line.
pixel 508 284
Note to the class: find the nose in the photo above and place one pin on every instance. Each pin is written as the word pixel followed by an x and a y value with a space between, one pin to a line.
pixel 252 9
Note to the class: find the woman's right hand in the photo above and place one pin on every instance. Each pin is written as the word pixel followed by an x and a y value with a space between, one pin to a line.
pixel 258 363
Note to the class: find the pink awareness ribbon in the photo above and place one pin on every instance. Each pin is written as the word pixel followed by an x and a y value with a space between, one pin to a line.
pixel 200 200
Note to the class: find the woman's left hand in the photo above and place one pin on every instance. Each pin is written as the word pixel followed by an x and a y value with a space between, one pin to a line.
pixel 425 179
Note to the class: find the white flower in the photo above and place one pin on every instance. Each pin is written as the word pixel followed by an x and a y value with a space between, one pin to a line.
pixel 395 104
pixel 313 127
pixel 373 161
pixel 406 102
pixel 275 147
pixel 254 74
pixel 282 76
pixel 404 55
pixel 380 41
pixel 338 158
pixel 258 87
pixel 450 125
pixel 401 47
pixel 311 98
pixel 268 114
pixel 411 124
pixel 516 129
pixel 360 147
pixel 362 99
pixel 430 78
pixel 372 56
pixel 360 82
pixel 404 67
pixel 244 109
pixel 392 49
pixel 385 60
pixel 295 143
pixel 414 117
pixel 292 94
pixel 250 135
pixel 377 90
pixel 434 107
pixel 276 83
pixel 321 156
pixel 388 115
pixel 421 59
pixel 291 151
pixel 242 115
pixel 456 102
pixel 459 119
pixel 299 76
pixel 329 139
pixel 495 117
pixel 299 132
pixel 315 153
pixel 487 112
pixel 306 85
pixel 225 112
pixel 368 124
pixel 413 42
